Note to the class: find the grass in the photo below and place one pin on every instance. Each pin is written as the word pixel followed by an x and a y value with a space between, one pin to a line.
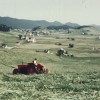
pixel 70 78
pixel 8 38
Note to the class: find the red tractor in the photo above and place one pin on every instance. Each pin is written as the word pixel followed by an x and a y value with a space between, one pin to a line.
pixel 30 68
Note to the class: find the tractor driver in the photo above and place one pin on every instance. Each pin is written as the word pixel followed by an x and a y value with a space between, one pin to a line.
pixel 35 61
pixel 35 65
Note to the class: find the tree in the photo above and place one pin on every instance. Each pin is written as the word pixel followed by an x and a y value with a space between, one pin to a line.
pixel 4 28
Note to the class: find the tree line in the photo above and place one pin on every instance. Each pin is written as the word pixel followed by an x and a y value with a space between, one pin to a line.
pixel 4 28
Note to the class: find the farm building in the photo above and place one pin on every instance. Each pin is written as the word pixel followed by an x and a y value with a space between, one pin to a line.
pixel 30 37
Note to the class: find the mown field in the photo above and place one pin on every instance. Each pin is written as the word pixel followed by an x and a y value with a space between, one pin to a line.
pixel 70 78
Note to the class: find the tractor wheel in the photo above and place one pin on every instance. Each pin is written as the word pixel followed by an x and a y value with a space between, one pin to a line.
pixel 15 71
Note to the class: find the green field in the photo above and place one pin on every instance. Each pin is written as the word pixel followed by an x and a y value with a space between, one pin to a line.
pixel 70 78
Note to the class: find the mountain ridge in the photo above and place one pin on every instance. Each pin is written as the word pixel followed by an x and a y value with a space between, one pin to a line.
pixel 29 24
pixel 23 23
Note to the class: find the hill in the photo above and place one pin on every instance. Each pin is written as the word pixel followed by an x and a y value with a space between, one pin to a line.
pixel 74 25
pixel 26 24
pixel 97 27
pixel 29 24
pixel 65 26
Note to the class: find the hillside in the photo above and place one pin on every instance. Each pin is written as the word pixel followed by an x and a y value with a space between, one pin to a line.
pixel 26 24
pixel 70 78
pixel 74 25
pixel 29 24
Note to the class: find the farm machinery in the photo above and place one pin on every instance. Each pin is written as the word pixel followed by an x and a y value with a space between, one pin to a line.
pixel 30 68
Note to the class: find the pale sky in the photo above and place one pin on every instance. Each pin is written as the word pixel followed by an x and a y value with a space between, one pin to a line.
pixel 76 11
